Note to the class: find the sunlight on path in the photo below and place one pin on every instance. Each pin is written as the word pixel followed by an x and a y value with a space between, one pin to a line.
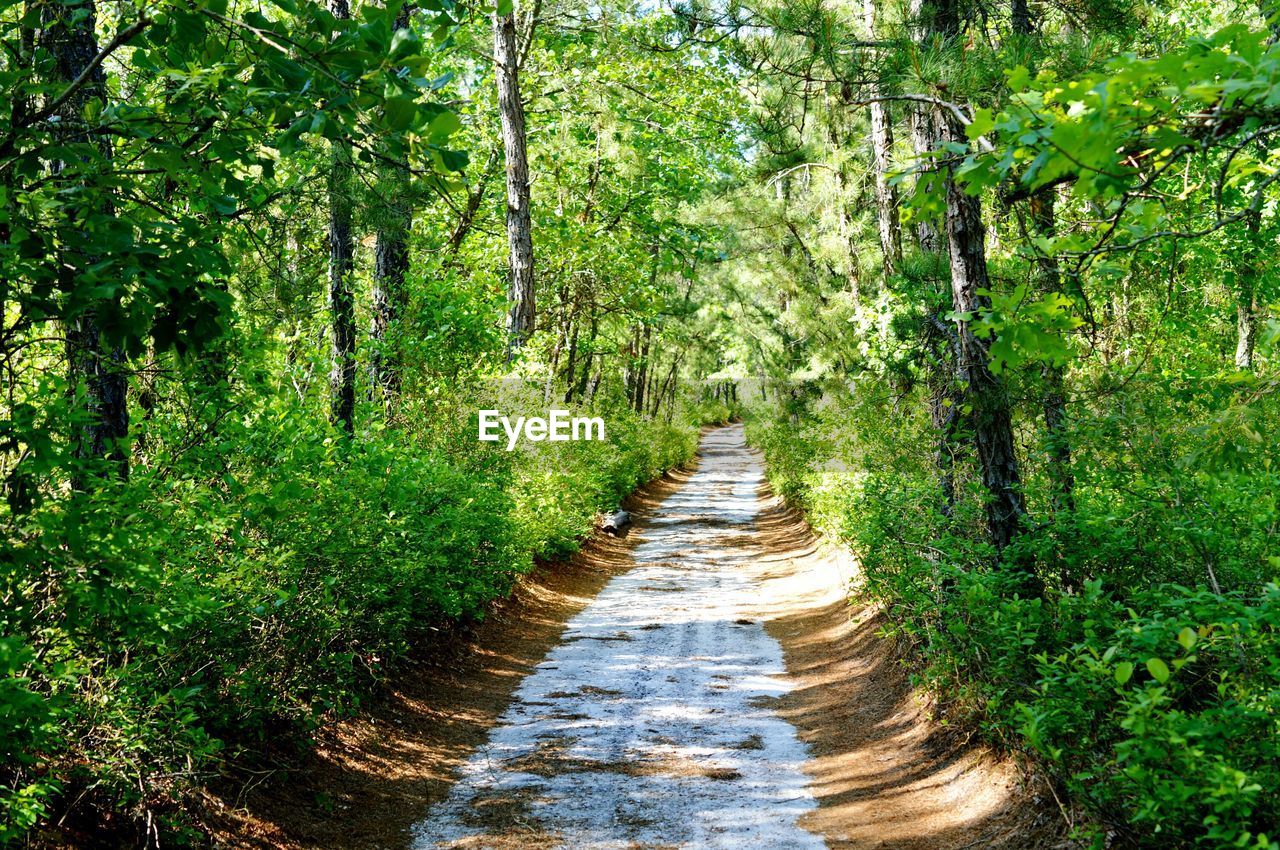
pixel 650 724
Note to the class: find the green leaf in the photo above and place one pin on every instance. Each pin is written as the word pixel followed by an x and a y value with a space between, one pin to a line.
pixel 404 43
pixel 400 112
pixel 1187 637
pixel 444 125
pixel 1158 670
pixel 1124 672
pixel 983 122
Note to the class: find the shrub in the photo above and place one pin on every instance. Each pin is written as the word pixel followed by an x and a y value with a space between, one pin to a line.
pixel 263 590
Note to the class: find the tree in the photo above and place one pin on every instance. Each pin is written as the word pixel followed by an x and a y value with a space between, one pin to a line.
pixel 342 304
pixel 391 258
pixel 97 371
pixel 887 220
pixel 522 309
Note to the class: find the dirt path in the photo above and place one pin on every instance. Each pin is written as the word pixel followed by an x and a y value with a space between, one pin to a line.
pixel 652 723
pixel 710 688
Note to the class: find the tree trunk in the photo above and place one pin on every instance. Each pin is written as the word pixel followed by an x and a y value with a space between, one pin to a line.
pixel 944 395
pixel 881 154
pixel 467 220
pixel 571 366
pixel 1247 299
pixel 390 268
pixel 586 364
pixel 1020 14
pixel 643 369
pixel 1053 399
pixel 97 375
pixel 944 409
pixel 838 137
pixel 520 295
pixel 991 418
pixel 342 375
pixel 930 20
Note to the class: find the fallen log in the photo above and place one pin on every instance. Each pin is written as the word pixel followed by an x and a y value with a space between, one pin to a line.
pixel 616 521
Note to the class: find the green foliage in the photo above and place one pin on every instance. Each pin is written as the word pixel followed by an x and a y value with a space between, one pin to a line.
pixel 1149 695
pixel 265 595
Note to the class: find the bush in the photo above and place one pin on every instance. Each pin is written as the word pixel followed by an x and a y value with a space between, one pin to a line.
pixel 1153 704
pixel 262 591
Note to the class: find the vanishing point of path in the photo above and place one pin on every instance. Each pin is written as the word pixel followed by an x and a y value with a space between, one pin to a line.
pixel 661 719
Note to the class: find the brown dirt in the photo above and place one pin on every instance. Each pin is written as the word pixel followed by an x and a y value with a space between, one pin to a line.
pixel 885 773
pixel 373 776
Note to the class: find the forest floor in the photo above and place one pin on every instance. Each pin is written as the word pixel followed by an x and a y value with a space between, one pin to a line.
pixel 700 682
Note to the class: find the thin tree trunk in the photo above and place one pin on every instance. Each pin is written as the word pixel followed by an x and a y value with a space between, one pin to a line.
pixel 844 226
pixel 467 220
pixel 944 397
pixel 390 268
pixel 929 21
pixel 586 364
pixel 97 375
pixel 1053 399
pixel 944 409
pixel 1247 299
pixel 643 373
pixel 594 384
pixel 342 375
pixel 991 419
pixel 522 310
pixel 575 326
pixel 881 154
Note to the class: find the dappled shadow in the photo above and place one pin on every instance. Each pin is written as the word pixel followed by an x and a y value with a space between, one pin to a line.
pixel 886 773
pixel 373 777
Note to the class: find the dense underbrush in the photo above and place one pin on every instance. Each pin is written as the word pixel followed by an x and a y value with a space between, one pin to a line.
pixel 238 590
pixel 1146 679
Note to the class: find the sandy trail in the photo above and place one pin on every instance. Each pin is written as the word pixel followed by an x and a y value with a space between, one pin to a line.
pixel 702 682
pixel 652 723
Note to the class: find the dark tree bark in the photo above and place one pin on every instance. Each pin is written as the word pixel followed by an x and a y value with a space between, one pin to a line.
pixel 586 364
pixel 96 371
pixel 390 268
pixel 944 408
pixel 642 375
pixel 342 375
pixel 468 218
pixel 1020 15
pixel 522 310
pixel 991 419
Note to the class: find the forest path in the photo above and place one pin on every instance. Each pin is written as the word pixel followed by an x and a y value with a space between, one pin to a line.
pixel 667 716
pixel 651 724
